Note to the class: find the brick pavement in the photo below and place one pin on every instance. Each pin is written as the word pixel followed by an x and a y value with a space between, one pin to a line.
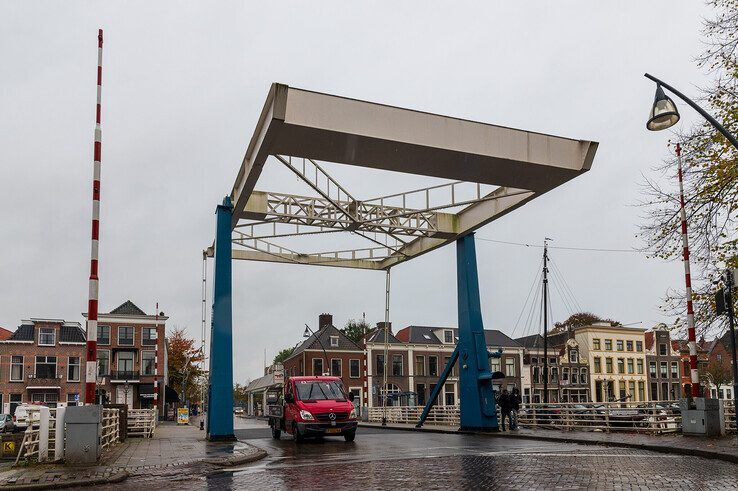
pixel 173 450
pixel 723 448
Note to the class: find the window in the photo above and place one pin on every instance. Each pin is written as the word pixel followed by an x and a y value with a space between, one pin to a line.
pixel 574 375
pixel 46 336
pixel 534 360
pixel 72 399
pixel 719 357
pixel 573 356
pixel 621 365
pixel 687 369
pixel 449 397
pixel 652 369
pixel 334 341
pixel 433 366
pixel 15 401
pixel 664 369
pixel 674 370
pixel 336 367
pixel 630 366
pixel 446 360
pixel 662 349
pixel 608 365
pixel 552 361
pixel 554 375
pixel 494 365
pixel 564 374
pixel 583 376
pixel 639 366
pixel 426 336
pixel 509 367
pixel 318 366
pixel 536 375
pixel 619 344
pixel 596 343
pixel 629 345
pixel 73 369
pixel 354 368
pixel 148 336
pixel 420 365
pixel 639 345
pixel 16 369
pixel 608 344
pixel 45 367
pixel 125 362
pixel 125 336
pixel 103 363
pixel 631 390
pixel 147 362
pixel 448 336
pixel 397 365
pixel 597 365
pixel 641 391
pixel 103 334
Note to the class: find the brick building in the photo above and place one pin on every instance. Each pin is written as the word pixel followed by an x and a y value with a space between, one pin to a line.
pixel 41 362
pixel 127 340
pixel 664 365
pixel 341 358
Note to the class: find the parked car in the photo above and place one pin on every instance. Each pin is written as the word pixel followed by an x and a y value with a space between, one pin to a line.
pixel 6 423
pixel 20 417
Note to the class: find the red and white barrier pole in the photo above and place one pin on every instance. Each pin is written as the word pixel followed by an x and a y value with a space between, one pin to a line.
pixel 691 336
pixel 94 287
pixel 156 362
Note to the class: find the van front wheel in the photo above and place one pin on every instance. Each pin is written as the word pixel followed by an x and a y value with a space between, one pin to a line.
pixel 276 432
pixel 349 437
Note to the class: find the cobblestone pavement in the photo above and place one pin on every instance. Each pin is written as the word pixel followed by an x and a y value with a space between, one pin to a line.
pixel 381 459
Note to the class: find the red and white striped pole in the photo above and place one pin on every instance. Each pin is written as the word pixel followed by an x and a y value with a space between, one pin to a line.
pixel 91 366
pixel 691 336
pixel 156 362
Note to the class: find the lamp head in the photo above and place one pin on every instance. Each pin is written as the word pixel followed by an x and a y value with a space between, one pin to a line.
pixel 306 334
pixel 664 113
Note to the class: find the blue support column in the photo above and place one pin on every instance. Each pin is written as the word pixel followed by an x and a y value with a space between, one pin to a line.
pixel 477 398
pixel 220 390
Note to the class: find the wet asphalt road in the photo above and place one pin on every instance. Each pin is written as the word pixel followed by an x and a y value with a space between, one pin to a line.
pixel 382 459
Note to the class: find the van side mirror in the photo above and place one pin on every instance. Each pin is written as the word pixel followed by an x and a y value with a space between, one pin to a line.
pixel 289 398
pixel 351 396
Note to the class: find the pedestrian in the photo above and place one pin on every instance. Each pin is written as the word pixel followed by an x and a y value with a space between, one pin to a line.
pixel 504 402
pixel 515 405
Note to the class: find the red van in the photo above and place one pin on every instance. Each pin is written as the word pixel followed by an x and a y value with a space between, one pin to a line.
pixel 312 406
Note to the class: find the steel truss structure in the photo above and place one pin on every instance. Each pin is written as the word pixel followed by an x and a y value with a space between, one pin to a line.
pixel 491 170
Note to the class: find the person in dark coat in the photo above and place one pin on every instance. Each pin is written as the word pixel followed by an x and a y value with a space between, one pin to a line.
pixel 515 404
pixel 505 407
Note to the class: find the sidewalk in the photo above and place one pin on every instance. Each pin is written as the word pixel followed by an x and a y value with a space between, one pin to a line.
pixel 721 448
pixel 174 450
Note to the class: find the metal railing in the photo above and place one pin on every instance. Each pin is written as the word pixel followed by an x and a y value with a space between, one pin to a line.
pixel 653 417
pixel 124 375
pixel 141 422
pixel 110 427
pixel 38 447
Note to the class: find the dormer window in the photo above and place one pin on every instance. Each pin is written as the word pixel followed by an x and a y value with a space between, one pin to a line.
pixel 46 336
pixel 448 336
pixel 573 356
pixel 334 341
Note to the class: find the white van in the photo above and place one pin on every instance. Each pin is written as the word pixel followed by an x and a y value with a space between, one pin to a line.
pixel 21 415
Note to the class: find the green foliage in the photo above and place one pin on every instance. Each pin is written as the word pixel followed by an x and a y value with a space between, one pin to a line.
pixel 239 394
pixel 580 319
pixel 283 355
pixel 717 372
pixel 184 364
pixel 710 178
pixel 355 330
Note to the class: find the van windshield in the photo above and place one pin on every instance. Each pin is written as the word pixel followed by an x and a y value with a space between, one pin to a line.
pixel 317 390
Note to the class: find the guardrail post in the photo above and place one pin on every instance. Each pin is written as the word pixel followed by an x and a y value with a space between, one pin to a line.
pixel 59 434
pixel 43 434
pixel 607 417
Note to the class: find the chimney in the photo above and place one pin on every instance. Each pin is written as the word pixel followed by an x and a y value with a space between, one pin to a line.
pixel 380 326
pixel 325 320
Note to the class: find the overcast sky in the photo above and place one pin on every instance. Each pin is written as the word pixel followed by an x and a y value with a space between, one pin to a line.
pixel 183 85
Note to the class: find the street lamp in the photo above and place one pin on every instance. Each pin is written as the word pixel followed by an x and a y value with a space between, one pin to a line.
pixel 308 332
pixel 663 115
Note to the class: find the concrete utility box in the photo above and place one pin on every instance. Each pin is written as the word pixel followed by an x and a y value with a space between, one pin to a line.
pixel 83 434
pixel 703 418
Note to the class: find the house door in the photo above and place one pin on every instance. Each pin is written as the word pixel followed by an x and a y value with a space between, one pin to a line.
pixel 124 395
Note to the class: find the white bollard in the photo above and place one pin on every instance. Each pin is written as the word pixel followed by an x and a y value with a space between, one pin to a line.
pixel 59 434
pixel 43 434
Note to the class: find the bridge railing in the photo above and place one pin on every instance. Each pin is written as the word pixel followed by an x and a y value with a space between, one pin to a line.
pixel 110 427
pixel 653 417
pixel 141 422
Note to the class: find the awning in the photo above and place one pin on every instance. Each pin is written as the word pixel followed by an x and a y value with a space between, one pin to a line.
pixel 146 391
pixel 170 395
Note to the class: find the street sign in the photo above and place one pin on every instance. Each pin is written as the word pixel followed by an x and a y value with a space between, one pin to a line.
pixel 9 447
pixel 76 397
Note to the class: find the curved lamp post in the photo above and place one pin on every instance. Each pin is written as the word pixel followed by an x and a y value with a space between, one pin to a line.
pixel 663 115
pixel 307 334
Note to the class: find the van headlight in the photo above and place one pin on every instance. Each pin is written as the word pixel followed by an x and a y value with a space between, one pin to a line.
pixel 306 415
pixel 352 414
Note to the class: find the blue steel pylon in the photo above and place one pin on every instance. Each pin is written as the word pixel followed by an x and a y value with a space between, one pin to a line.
pixel 220 389
pixel 477 398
